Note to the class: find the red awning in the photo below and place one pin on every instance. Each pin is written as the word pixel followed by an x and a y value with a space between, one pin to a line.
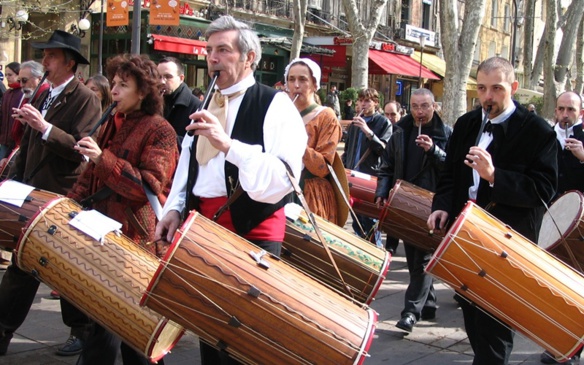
pixel 179 45
pixel 338 59
pixel 397 64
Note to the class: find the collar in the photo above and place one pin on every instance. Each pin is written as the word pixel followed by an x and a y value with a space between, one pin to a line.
pixel 56 90
pixel 242 85
pixel 561 132
pixel 179 96
pixel 502 118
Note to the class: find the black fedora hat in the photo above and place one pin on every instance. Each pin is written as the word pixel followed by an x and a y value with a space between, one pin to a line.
pixel 64 40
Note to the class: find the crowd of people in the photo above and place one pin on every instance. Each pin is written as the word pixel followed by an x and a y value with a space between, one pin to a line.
pixel 231 162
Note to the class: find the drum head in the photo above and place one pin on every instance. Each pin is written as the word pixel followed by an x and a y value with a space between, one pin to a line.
pixel 561 219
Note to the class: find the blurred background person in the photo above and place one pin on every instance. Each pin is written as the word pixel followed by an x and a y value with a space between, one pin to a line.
pixel 136 149
pixel 302 77
pixel 100 85
pixel 11 99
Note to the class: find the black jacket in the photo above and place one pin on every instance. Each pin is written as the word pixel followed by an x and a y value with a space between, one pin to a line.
pixel 524 154
pixel 394 161
pixel 382 128
pixel 570 170
pixel 177 108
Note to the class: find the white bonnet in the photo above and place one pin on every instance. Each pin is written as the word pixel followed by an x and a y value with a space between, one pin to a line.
pixel 313 66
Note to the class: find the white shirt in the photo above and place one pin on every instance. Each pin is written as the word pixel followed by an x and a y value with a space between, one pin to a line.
pixel 54 92
pixel 485 141
pixel 261 174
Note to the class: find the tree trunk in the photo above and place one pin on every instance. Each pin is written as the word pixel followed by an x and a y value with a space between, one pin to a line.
pixel 538 62
pixel 299 10
pixel 579 59
pixel 458 45
pixel 362 27
pixel 529 28
pixel 550 85
pixel 566 51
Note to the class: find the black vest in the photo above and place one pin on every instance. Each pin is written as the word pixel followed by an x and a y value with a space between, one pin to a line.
pixel 246 213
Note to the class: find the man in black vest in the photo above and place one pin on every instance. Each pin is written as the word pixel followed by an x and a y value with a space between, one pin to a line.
pixel 568 114
pixel 511 171
pixel 179 102
pixel 262 128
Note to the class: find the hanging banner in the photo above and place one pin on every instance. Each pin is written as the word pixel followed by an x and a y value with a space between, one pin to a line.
pixel 164 12
pixel 117 13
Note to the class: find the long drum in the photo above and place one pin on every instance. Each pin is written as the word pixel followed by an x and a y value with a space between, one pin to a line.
pixel 562 229
pixel 363 266
pixel 362 189
pixel 258 309
pixel 513 280
pixel 9 162
pixel 405 214
pixel 105 280
pixel 13 218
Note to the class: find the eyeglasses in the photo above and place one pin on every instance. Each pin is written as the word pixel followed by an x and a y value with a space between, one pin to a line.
pixel 422 107
pixel 23 80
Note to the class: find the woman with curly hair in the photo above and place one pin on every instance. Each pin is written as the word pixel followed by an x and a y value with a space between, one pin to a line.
pixel 137 148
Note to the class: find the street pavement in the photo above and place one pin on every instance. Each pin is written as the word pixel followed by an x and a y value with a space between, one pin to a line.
pixel 438 342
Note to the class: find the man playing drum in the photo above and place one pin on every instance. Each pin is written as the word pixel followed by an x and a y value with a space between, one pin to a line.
pixel 47 160
pixel 415 153
pixel 569 134
pixel 262 129
pixel 511 172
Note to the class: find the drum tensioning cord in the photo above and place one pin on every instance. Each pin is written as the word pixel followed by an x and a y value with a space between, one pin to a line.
pixel 317 230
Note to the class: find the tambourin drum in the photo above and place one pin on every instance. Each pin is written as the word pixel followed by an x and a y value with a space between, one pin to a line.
pixel 562 229
pixel 257 308
pixel 362 189
pixel 14 218
pixel 406 213
pixel 105 280
pixel 363 266
pixel 512 279
pixel 9 162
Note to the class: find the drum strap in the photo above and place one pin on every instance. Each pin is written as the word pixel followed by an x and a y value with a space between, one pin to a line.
pixel 236 194
pixel 317 230
pixel 365 155
pixel 38 167
pixel 345 198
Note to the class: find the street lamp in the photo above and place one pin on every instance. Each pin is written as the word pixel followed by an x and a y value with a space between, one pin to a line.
pixel 422 44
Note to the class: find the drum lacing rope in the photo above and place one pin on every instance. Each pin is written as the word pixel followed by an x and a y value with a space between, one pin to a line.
pixel 65 273
pixel 460 286
pixel 575 262
pixel 225 270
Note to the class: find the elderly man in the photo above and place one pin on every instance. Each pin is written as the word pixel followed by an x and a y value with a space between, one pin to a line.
pixel 392 110
pixel 262 129
pixel 62 115
pixel 415 153
pixel 511 171
pixel 179 102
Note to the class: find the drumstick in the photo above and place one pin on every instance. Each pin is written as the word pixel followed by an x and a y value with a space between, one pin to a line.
pixel 487 112
pixel 36 90
pixel 103 118
pixel 207 98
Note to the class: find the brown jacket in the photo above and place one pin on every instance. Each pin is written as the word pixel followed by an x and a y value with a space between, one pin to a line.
pixel 75 111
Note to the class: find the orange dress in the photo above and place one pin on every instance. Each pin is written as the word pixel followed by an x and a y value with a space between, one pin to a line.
pixel 324 133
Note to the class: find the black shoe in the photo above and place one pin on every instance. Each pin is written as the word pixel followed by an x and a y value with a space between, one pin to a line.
pixel 548 358
pixel 428 314
pixel 73 346
pixel 406 322
pixel 4 342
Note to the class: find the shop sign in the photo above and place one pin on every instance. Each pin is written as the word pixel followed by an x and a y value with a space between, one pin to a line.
pixel 340 41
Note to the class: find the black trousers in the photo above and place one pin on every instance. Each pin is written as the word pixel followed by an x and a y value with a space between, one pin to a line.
pixel 17 292
pixel 420 293
pixel 491 341
pixel 211 355
pixel 101 348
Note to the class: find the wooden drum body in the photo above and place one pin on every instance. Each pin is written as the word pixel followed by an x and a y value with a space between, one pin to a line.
pixel 106 281
pixel 258 309
pixel 9 162
pixel 513 280
pixel 562 229
pixel 362 189
pixel 13 218
pixel 406 213
pixel 362 264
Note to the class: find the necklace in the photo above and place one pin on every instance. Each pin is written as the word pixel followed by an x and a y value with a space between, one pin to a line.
pixel 308 110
